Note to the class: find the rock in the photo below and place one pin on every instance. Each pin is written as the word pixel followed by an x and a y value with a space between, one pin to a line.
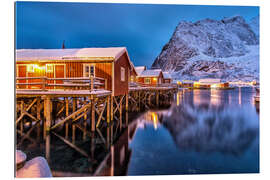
pixel 36 167
pixel 20 157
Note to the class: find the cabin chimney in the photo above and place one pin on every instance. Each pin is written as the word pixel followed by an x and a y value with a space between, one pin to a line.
pixel 63 45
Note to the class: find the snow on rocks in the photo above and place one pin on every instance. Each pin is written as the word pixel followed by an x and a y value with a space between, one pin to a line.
pixel 36 167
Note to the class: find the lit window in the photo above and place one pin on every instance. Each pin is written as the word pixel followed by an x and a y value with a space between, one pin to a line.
pixel 147 80
pixel 122 74
pixel 132 78
pixel 30 68
pixel 49 68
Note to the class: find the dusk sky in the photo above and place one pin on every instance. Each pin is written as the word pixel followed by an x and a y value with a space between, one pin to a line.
pixel 143 29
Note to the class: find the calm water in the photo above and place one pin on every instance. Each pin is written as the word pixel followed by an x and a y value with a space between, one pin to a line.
pixel 205 131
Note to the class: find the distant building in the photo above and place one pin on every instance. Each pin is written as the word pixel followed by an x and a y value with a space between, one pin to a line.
pixel 151 77
pixel 210 83
pixel 167 77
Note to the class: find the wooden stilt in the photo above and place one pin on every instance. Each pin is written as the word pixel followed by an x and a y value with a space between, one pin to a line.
pixel 93 119
pixel 47 112
pixel 74 105
pixel 112 110
pixel 85 120
pixel 120 112
pixel 22 109
pixel 126 109
pixel 67 123
pixel 108 110
pixel 38 117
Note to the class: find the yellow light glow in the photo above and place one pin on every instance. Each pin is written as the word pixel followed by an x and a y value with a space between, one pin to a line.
pixel 214 85
pixel 155 79
pixel 155 119
pixel 33 67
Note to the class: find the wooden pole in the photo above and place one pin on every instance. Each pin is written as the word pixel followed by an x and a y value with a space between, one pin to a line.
pixel 112 108
pixel 93 120
pixel 91 82
pixel 108 110
pixel 120 112
pixel 74 105
pixel 47 112
pixel 127 109
pixel 67 123
pixel 38 117
pixel 85 120
pixel 22 109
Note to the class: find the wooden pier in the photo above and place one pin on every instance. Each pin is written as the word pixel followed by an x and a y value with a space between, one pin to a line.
pixel 63 111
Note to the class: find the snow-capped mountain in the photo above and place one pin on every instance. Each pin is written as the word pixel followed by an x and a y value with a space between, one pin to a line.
pixel 226 49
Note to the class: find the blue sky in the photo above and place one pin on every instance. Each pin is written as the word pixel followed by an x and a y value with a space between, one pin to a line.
pixel 143 29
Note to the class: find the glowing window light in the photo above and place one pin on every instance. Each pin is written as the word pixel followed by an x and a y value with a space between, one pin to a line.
pixel 49 68
pixel 155 79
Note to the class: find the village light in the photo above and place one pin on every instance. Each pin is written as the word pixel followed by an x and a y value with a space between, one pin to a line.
pixel 155 79
pixel 214 85
pixel 155 119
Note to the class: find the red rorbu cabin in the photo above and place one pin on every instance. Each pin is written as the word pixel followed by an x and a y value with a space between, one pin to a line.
pixel 111 64
pixel 151 77
pixel 167 78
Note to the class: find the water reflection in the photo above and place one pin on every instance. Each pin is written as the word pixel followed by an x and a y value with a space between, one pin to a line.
pixel 205 131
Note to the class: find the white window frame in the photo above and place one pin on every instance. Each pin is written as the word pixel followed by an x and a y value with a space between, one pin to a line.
pixel 87 74
pixel 30 68
pixel 147 82
pixel 122 72
pixel 48 66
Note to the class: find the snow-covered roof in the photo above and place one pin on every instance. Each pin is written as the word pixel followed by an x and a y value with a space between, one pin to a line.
pixel 150 73
pixel 111 53
pixel 209 80
pixel 167 75
pixel 140 69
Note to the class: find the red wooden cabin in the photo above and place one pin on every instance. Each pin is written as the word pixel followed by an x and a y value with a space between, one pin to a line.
pixel 151 77
pixel 112 64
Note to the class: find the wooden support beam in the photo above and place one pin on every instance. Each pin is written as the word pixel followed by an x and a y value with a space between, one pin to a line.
pixel 38 117
pixel 100 114
pixel 108 110
pixel 21 124
pixel 112 114
pixel 27 135
pixel 47 113
pixel 157 98
pixel 84 119
pixel 120 111
pixel 71 145
pixel 71 116
pixel 67 123
pixel 74 107
pixel 93 119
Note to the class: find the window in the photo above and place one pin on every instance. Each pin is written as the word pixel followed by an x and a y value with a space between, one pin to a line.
pixel 49 67
pixel 131 78
pixel 147 80
pixel 122 74
pixel 89 69
pixel 92 70
pixel 30 68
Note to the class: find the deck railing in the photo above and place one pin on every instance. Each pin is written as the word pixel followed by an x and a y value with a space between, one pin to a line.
pixel 139 84
pixel 45 83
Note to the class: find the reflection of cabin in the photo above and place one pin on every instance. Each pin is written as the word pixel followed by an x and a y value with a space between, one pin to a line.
pixel 210 83
pixel 111 64
pixel 167 77
pixel 151 77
